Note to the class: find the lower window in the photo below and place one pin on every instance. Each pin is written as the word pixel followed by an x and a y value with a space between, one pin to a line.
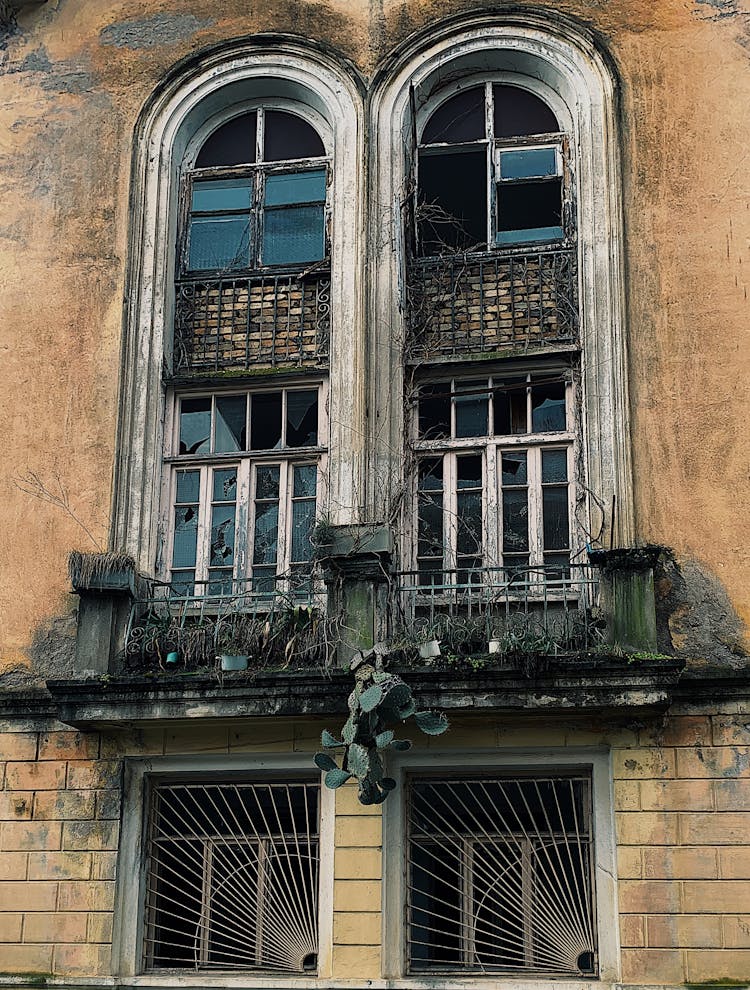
pixel 232 876
pixel 500 876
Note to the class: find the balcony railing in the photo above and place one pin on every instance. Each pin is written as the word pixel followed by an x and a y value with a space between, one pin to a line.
pixel 277 623
pixel 519 610
pixel 235 322
pixel 469 303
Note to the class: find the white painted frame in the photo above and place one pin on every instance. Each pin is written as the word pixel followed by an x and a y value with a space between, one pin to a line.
pixel 562 63
pixel 127 940
pixel 491 448
pixel 246 462
pixel 264 69
pixel 594 760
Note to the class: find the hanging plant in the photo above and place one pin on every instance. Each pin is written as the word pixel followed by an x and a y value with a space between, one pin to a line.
pixel 379 700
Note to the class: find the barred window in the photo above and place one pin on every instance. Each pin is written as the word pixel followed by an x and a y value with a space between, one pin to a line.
pixel 500 875
pixel 232 876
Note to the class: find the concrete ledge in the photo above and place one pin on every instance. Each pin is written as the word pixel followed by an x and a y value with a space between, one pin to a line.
pixel 568 684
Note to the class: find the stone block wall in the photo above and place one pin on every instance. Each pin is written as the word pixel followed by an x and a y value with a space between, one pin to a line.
pixel 681 791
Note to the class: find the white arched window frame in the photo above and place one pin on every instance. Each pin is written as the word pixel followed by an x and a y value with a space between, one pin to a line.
pixel 562 65
pixel 282 73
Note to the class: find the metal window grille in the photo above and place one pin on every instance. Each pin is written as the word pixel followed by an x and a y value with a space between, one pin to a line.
pixel 499 876
pixel 232 877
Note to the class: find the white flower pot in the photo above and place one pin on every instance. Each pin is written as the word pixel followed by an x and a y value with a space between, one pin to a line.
pixel 430 649
pixel 233 661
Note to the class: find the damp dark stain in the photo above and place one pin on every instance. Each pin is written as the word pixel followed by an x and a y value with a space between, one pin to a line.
pixel 151 32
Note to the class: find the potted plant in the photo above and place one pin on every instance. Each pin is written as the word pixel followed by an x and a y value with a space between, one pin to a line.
pixel 231 643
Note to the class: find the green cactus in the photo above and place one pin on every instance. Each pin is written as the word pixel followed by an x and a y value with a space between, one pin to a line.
pixel 379 698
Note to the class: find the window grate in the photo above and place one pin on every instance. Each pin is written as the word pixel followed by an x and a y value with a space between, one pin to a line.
pixel 232 877
pixel 499 876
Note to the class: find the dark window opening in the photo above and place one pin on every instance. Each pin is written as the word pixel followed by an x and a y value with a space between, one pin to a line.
pixel 518 113
pixel 452 207
pixel 231 144
pixel 460 118
pixel 529 211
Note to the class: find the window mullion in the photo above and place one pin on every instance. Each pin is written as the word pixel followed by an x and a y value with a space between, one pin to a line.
pixel 242 525
pixel 489 113
pixel 492 508
pixel 202 553
pixel 535 506
pixel 450 514
pixel 283 536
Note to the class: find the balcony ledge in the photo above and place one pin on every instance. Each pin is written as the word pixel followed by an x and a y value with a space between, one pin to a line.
pixel 569 683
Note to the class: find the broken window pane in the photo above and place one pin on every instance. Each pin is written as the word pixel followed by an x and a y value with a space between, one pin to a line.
pixel 510 407
pixel 548 407
pixel 225 485
pixel 302 418
pixel 529 211
pixel 471 409
pixel 265 542
pixel 185 536
pixel 287 136
pixel 195 426
pixel 518 112
pixel 514 468
pixel 267 482
pixel 230 429
pixel 460 118
pixel 231 144
pixel 515 521
pixel 303 522
pixel 452 200
pixel 219 242
pixel 556 529
pixel 305 481
pixel 435 411
pixel 222 535
pixel 430 515
pixel 265 421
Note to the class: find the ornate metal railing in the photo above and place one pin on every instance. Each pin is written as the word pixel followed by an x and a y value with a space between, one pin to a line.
pixel 496 609
pixel 278 624
pixel 231 322
pixel 471 303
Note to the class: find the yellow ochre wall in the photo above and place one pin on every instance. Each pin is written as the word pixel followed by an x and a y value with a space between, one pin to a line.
pixel 75 76
pixel 682 819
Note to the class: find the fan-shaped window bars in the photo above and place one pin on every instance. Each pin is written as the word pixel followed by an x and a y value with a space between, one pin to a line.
pixel 499 876
pixel 232 877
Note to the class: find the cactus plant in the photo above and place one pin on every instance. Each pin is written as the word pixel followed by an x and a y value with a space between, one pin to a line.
pixel 379 699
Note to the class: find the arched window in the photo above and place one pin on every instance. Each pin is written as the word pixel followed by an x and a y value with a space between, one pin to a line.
pixel 491 172
pixel 256 195
pixel 243 292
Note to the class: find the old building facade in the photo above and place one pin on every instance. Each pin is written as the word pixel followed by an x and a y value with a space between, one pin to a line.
pixel 380 372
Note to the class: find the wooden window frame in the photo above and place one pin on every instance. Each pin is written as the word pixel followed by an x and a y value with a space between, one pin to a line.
pixel 246 463
pixel 491 448
pixel 558 140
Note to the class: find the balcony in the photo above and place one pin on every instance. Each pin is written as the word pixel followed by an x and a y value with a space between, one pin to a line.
pixel 277 624
pixel 249 321
pixel 583 636
pixel 509 612
pixel 470 304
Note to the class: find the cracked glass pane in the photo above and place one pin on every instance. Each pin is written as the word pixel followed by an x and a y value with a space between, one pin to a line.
pixel 302 418
pixel 230 429
pixel 195 426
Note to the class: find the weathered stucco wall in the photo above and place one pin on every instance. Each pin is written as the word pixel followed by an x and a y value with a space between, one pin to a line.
pixel 76 73
pixel 681 809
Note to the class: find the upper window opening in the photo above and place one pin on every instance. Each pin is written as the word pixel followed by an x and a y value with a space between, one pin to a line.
pixel 283 136
pixel 501 180
pixel 249 211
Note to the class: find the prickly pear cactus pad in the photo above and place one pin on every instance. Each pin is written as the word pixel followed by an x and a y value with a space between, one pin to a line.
pixel 378 701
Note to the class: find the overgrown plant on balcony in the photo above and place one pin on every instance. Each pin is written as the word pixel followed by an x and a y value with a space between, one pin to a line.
pixel 379 701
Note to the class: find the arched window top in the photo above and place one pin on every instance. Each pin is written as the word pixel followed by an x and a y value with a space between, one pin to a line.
pixel 260 135
pixel 465 116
